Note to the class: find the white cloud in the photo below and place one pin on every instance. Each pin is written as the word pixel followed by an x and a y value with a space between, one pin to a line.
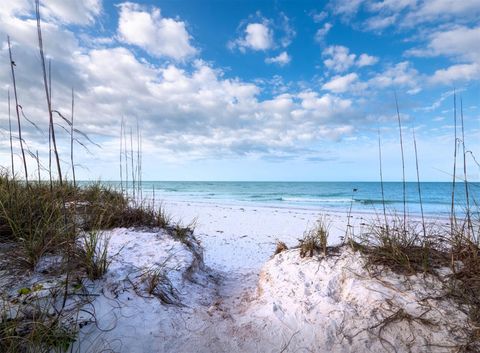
pixel 288 30
pixel 399 75
pixel 340 84
pixel 262 34
pixel 346 7
pixel 322 32
pixel 323 107
pixel 77 12
pixel 257 36
pixel 281 59
pixel 59 43
pixel 339 59
pixel 366 60
pixel 391 5
pixel 435 10
pixel 159 36
pixel 437 103
pixel 461 42
pixel 11 8
pixel 456 73
pixel 72 11
pixel 378 23
pixel 319 16
pixel 405 14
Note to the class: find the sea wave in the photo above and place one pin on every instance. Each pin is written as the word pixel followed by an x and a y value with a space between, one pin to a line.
pixel 316 200
pixel 376 201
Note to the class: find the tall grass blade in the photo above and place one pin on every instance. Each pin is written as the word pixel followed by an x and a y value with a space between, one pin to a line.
pixel 403 165
pixel 126 159
pixel 465 179
pixel 381 178
pixel 452 210
pixel 418 184
pixel 12 66
pixel 10 134
pixel 38 167
pixel 50 127
pixel 132 162
pixel 47 93
pixel 71 140
pixel 121 149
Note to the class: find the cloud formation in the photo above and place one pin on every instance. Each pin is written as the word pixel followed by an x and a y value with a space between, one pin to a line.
pixel 189 113
pixel 339 58
pixel 257 36
pixel 281 59
pixel 159 36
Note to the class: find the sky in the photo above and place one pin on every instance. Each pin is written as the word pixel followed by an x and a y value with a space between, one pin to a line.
pixel 287 90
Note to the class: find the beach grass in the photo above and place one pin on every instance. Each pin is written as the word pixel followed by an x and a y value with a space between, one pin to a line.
pixel 40 221
pixel 315 239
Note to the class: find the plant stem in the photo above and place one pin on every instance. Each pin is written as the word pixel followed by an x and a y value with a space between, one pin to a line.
pixel 381 178
pixel 121 150
pixel 465 180
pixel 49 103
pixel 10 132
pixel 403 167
pixel 71 140
pixel 418 184
pixel 50 127
pixel 452 211
pixel 12 65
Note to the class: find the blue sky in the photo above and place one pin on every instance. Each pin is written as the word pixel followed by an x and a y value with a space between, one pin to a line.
pixel 251 90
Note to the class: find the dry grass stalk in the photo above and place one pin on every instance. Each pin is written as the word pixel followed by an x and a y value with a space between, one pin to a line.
pixel 418 183
pixel 454 179
pixel 132 162
pixel 403 163
pixel 381 176
pixel 49 126
pixel 315 239
pixel 71 140
pixel 121 151
pixel 10 134
pixel 47 92
pixel 465 179
pixel 12 66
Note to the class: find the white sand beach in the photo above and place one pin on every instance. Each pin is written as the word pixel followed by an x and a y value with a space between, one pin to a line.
pixel 242 299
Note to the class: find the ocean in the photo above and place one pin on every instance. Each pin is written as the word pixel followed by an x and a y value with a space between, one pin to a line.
pixel 335 196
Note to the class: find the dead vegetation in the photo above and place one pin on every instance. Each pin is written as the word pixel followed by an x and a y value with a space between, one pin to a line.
pixel 315 239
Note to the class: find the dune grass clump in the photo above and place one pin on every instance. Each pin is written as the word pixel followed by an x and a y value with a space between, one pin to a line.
pixel 403 247
pixel 315 239
pixel 40 221
pixel 158 284
pixel 33 218
pixel 95 254
pixel 280 247
pixel 183 233
pixel 103 207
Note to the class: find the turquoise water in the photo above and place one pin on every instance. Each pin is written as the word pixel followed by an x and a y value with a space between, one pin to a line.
pixel 367 197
